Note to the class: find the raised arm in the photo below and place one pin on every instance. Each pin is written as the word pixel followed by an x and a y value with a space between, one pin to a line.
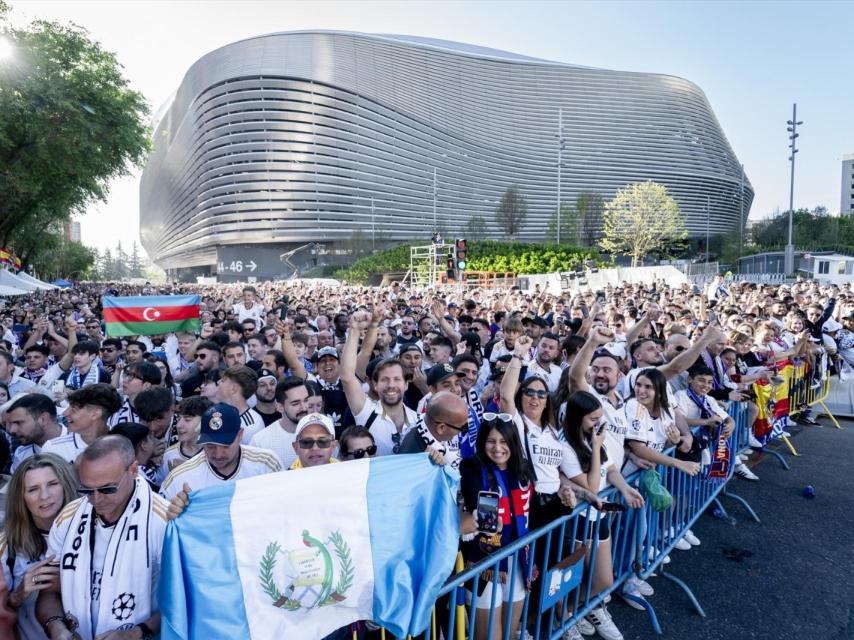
pixel 352 386
pixel 370 340
pixel 684 360
pixel 636 329
pixel 294 363
pixel 578 372
pixel 438 310
pixel 511 376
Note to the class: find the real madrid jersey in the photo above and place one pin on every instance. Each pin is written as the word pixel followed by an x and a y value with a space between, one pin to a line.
pixel 197 473
pixel 67 447
pixel 28 450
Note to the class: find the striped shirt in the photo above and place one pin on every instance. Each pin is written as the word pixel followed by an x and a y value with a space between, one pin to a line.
pixel 67 447
pixel 252 423
pixel 280 441
pixel 126 413
pixel 199 474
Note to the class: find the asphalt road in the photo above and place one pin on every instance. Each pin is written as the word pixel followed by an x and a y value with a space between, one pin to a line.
pixel 790 576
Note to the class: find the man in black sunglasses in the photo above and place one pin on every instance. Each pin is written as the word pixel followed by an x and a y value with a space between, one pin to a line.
pixel 315 441
pixel 444 421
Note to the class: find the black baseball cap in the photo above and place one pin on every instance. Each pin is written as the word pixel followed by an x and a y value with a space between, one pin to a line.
pixel 409 347
pixel 440 372
pixel 326 351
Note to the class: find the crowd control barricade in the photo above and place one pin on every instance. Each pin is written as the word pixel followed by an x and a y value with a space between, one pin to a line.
pixel 564 554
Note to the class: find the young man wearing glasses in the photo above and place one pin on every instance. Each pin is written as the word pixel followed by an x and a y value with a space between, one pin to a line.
pixel 223 457
pixel 136 378
pixel 206 359
pixel 108 590
pixel 315 441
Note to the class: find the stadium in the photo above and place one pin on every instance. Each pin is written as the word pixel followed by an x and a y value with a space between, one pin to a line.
pixel 281 140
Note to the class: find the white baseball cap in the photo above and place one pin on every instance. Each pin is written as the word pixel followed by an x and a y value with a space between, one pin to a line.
pixel 315 418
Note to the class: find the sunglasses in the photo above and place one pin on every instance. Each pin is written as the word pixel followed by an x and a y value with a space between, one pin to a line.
pixel 503 417
pixel 108 350
pixel 104 491
pixel 462 429
pixel 395 438
pixel 536 393
pixel 679 349
pixel 358 454
pixel 322 443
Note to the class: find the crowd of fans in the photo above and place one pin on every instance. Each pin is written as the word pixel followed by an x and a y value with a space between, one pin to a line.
pixel 544 399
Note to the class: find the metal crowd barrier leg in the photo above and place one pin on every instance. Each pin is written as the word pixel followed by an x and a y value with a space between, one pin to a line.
pixel 827 412
pixel 790 446
pixel 687 590
pixel 744 503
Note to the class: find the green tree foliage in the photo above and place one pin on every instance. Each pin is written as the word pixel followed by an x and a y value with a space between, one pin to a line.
pixel 512 211
pixel 641 218
pixel 58 258
pixel 568 225
pixel 487 255
pixel 588 215
pixel 810 230
pixel 475 228
pixel 68 124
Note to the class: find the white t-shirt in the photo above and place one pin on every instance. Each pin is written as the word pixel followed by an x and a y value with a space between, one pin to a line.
pixel 67 447
pixel 644 428
pixel 255 312
pixel 551 376
pixel 617 425
pixel 252 424
pixel 102 541
pixel 29 450
pixel 546 452
pixel 573 469
pixel 280 441
pixel 690 409
pixel 383 427
pixel 173 457
pixel 27 624
pixel 199 474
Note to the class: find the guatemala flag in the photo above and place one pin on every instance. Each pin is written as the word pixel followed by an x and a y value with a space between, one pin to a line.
pixel 301 553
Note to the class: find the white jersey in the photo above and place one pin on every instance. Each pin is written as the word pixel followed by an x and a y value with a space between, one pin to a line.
pixel 550 375
pixel 173 457
pixel 644 428
pixel 29 450
pixel 199 474
pixel 573 469
pixel 252 424
pixel 279 441
pixel 690 409
pixel 546 451
pixel 255 312
pixel 615 418
pixel 67 447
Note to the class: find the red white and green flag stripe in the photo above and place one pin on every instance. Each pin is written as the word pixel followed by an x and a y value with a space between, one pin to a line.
pixel 150 315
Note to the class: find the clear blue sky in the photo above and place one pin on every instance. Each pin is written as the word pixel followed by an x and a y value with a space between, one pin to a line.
pixel 753 60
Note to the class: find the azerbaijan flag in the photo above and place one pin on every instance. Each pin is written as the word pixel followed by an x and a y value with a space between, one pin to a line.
pixel 150 315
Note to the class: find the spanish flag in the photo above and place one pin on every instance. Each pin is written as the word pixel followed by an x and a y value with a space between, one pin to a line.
pixel 773 402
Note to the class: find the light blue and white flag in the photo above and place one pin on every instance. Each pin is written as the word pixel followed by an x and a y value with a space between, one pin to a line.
pixel 299 554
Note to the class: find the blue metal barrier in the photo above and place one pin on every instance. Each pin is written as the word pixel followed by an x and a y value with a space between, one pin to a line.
pixel 639 539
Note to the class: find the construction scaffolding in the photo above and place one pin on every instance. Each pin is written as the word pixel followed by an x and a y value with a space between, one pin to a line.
pixel 427 263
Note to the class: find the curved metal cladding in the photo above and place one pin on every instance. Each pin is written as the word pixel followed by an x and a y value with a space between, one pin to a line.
pixel 286 138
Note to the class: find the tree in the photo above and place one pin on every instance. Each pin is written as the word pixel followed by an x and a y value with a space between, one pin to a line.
pixel 120 265
pixel 135 262
pixel 66 260
pixel 639 219
pixel 568 225
pixel 512 211
pixel 475 228
pixel 107 267
pixel 588 213
pixel 68 124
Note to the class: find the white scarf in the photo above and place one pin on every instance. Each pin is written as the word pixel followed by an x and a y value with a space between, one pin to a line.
pixel 126 598
pixel 449 449
pixel 74 380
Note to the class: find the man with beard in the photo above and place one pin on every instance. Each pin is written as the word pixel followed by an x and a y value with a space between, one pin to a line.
pixel 388 419
pixel 111 354
pixel 207 359
pixel 31 421
pixel 543 365
pixel 467 366
pixel 265 397
pixel 292 402
pixel 407 335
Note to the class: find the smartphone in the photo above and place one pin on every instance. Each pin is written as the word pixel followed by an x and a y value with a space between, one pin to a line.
pixel 600 427
pixel 58 387
pixel 487 511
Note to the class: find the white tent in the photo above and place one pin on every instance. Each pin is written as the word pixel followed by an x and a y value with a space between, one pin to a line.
pixel 9 279
pixel 26 277
pixel 11 291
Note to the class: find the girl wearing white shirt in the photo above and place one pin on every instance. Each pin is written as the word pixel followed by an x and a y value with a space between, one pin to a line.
pixel 589 465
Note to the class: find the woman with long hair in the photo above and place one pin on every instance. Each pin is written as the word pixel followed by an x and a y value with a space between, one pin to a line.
pixel 499 466
pixel 590 466
pixel 40 487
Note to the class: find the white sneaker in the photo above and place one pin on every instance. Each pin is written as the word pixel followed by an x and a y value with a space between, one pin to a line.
pixel 693 540
pixel 605 626
pixel 570 634
pixel 585 628
pixel 753 442
pixel 523 634
pixel 665 560
pixel 683 545
pixel 643 587
pixel 742 471
pixel 631 589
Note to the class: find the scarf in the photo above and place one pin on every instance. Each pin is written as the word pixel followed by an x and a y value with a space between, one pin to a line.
pixel 712 363
pixel 468 441
pixel 34 374
pixel 719 468
pixel 513 506
pixel 74 380
pixel 450 449
pixel 126 598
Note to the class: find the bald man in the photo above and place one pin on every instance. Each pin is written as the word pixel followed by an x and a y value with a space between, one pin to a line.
pixel 445 420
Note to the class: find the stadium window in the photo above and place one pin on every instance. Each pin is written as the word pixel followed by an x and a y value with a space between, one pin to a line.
pixel 824 266
pixel 841 269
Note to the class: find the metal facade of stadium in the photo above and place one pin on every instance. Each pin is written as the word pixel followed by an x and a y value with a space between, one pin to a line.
pixel 300 137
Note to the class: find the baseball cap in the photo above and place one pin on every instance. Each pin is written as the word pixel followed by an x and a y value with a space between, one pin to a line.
pixel 266 373
pixel 315 418
pixel 831 325
pixel 220 425
pixel 537 320
pixel 326 351
pixel 409 347
pixel 440 372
